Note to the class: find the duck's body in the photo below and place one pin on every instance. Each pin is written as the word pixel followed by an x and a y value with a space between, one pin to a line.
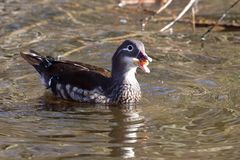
pixel 86 83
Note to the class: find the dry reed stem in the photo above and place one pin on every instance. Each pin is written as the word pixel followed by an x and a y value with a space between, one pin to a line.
pixel 203 37
pixel 71 17
pixel 111 39
pixel 180 15
pixel 116 39
pixel 27 28
pixel 71 51
pixel 193 19
pixel 157 12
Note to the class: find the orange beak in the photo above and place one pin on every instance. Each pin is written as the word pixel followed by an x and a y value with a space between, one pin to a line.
pixel 143 62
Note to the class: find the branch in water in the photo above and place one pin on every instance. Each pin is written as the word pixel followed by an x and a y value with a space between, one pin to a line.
pixel 203 37
pixel 157 12
pixel 181 14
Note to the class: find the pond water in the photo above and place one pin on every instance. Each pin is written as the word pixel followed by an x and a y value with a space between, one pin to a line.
pixel 190 105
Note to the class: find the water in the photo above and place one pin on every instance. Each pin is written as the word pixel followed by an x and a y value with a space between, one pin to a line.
pixel 190 104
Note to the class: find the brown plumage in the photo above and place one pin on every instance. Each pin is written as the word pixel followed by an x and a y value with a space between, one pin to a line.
pixel 88 83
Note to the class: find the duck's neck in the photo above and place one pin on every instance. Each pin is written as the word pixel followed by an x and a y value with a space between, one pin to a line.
pixel 125 87
pixel 124 73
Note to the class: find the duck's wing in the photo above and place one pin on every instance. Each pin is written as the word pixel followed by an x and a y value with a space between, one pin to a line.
pixel 71 73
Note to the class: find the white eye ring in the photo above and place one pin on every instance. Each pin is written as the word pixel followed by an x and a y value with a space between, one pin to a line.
pixel 130 48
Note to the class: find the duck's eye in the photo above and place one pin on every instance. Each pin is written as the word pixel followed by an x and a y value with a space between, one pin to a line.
pixel 130 48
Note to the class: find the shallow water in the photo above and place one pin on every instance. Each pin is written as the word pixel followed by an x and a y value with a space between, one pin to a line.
pixel 190 105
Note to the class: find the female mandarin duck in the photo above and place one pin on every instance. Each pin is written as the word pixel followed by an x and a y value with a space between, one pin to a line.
pixel 86 83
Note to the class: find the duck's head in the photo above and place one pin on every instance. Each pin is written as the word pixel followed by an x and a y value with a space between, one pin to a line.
pixel 129 56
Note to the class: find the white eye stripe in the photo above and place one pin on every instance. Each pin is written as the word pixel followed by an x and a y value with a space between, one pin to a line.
pixel 128 48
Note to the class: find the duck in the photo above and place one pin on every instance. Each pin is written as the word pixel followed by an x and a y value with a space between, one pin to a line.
pixel 71 80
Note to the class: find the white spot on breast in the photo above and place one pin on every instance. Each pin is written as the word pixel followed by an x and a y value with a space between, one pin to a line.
pixel 67 91
pixel 72 95
pixel 74 89
pixel 58 86
pixel 85 93
pixel 68 88
pixel 96 94
pixel 79 91
pixel 63 93
pixel 92 97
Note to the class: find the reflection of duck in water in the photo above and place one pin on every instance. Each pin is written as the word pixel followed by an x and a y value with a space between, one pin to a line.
pixel 86 83
pixel 118 132
pixel 127 131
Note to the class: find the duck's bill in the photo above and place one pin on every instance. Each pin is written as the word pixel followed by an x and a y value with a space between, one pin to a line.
pixel 143 64
pixel 143 60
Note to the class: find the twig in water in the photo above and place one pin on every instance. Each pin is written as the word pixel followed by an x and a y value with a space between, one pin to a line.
pixel 194 10
pixel 188 6
pixel 203 37
pixel 146 20
pixel 85 45
pixel 193 19
pixel 70 52
pixel 71 17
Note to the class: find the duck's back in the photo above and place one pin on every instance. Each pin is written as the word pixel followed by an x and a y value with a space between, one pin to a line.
pixel 71 80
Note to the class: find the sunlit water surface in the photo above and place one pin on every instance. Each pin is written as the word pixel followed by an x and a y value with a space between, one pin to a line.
pixel 190 105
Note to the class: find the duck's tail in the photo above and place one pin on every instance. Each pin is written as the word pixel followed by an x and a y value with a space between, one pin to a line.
pixel 40 63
